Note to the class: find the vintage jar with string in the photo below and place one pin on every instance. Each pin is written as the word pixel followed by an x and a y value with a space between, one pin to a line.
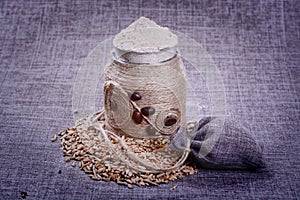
pixel 145 83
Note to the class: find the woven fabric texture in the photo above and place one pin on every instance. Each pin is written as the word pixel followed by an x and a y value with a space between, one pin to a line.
pixel 255 45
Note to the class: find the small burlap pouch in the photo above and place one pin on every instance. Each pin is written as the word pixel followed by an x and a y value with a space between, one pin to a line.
pixel 235 148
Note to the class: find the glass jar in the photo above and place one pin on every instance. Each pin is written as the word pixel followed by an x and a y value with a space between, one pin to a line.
pixel 145 93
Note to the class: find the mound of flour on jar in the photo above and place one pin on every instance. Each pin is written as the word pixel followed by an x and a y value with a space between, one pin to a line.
pixel 144 36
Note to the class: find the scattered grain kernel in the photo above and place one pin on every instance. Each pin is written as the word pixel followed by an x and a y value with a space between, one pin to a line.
pixel 54 138
pixel 95 158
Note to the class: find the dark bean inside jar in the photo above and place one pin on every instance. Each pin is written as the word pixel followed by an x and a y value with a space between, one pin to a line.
pixel 135 96
pixel 170 120
pixel 137 117
pixel 147 111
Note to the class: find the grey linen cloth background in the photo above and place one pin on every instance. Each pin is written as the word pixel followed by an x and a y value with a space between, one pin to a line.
pixel 255 45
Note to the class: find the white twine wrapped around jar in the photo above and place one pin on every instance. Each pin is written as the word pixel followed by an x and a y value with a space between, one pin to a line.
pixel 161 86
pixel 159 78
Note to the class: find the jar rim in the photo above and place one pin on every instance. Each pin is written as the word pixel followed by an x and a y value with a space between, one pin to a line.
pixel 121 58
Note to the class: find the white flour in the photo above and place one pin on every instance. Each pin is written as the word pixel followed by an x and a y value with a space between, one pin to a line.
pixel 144 36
